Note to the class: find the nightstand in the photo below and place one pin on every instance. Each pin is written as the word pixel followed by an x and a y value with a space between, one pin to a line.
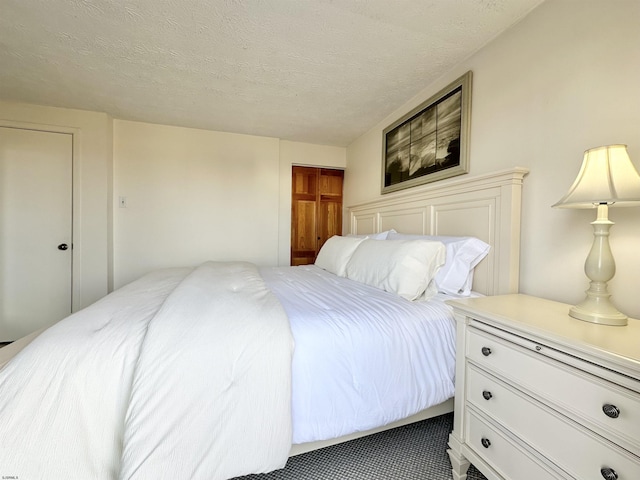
pixel 541 395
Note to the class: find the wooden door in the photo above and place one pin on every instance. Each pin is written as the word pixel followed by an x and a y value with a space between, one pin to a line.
pixel 36 229
pixel 330 205
pixel 316 211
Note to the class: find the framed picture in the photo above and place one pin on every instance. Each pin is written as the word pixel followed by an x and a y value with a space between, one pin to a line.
pixel 431 142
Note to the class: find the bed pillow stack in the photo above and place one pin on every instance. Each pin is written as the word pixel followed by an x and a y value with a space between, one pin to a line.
pixel 404 267
pixel 408 265
pixel 463 255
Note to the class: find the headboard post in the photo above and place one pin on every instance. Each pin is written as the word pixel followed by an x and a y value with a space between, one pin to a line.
pixel 486 206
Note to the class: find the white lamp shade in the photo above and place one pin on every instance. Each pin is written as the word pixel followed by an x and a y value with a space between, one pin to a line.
pixel 607 176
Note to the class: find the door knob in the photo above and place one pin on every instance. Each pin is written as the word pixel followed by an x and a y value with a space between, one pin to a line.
pixel 63 246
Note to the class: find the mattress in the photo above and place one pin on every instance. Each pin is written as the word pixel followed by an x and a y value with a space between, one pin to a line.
pixel 363 357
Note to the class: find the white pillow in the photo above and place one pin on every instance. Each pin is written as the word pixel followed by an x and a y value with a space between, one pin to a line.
pixel 336 252
pixel 374 236
pixel 463 254
pixel 402 267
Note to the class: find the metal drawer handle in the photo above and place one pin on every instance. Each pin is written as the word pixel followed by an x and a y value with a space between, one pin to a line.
pixel 611 411
pixel 486 444
pixel 486 351
pixel 608 473
pixel 487 394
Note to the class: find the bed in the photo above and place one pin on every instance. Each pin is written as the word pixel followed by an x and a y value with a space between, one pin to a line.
pixel 138 355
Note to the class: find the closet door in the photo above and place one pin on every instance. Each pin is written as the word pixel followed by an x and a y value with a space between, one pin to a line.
pixel 316 211
pixel 304 210
pixel 329 205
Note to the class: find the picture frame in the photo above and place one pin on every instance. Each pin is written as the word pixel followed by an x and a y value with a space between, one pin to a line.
pixel 431 142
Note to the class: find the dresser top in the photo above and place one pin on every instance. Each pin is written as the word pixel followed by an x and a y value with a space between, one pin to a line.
pixel 550 320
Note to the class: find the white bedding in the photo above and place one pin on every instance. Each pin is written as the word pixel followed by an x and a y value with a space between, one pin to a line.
pixel 181 374
pixel 363 357
pixel 188 373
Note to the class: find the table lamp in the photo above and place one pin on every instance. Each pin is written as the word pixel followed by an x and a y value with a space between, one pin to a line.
pixel 606 178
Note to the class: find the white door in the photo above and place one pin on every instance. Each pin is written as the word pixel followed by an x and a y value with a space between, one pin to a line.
pixel 35 227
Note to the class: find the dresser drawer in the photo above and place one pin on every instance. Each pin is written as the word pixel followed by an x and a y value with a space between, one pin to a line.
pixel 501 453
pixel 578 394
pixel 575 449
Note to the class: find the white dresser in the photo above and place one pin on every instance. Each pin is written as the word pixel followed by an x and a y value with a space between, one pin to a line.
pixel 540 395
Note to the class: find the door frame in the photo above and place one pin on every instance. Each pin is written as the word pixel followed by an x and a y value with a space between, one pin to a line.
pixel 76 200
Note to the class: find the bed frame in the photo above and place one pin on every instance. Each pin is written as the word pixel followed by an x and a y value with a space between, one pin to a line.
pixel 485 206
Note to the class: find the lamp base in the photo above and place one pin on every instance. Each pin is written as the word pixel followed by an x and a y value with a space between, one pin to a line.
pixel 599 311
pixel 600 268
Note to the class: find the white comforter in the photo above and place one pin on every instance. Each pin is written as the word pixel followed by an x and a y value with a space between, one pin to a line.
pixel 364 357
pixel 181 374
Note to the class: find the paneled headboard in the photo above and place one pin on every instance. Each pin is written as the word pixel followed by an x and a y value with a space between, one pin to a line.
pixel 484 206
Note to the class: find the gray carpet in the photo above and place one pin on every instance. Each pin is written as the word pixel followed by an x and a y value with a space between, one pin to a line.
pixel 413 452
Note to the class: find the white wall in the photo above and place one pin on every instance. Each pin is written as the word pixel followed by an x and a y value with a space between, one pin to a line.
pixel 192 195
pixel 563 80
pixel 92 166
pixel 196 195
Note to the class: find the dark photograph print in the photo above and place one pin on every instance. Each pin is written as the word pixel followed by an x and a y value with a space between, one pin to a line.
pixel 430 142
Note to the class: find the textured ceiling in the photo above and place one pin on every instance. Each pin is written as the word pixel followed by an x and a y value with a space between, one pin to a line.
pixel 317 71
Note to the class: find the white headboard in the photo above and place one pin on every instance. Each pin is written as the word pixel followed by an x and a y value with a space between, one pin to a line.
pixel 485 206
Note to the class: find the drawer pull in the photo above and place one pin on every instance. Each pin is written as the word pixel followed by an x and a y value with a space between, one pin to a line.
pixel 487 394
pixel 486 444
pixel 608 473
pixel 611 411
pixel 486 351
